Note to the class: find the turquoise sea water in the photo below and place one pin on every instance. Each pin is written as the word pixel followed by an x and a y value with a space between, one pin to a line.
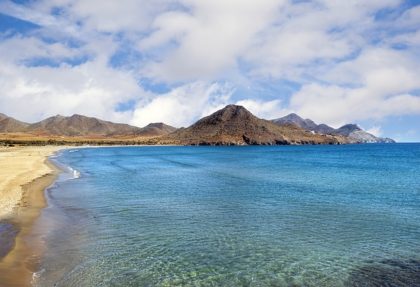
pixel 234 216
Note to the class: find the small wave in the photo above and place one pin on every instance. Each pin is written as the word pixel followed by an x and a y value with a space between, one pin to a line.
pixel 36 276
pixel 75 173
pixel 73 150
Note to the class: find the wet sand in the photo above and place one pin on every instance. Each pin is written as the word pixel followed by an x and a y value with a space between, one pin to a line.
pixel 25 173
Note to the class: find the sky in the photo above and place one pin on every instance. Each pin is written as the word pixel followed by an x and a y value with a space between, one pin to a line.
pixel 175 61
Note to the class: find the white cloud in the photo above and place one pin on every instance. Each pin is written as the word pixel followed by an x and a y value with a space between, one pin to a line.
pixel 375 130
pixel 264 109
pixel 208 37
pixel 337 105
pixel 33 93
pixel 410 18
pixel 339 55
pixel 183 105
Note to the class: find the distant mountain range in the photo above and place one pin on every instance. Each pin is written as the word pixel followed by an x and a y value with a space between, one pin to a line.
pixel 232 125
pixel 351 131
pixel 81 126
pixel 10 125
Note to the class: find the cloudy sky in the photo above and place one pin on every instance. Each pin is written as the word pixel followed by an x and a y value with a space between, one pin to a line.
pixel 141 61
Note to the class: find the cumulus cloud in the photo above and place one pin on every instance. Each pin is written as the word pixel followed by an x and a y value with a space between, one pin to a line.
pixel 209 36
pixel 337 105
pixel 31 91
pixel 375 130
pixel 183 104
pixel 264 109
pixel 346 61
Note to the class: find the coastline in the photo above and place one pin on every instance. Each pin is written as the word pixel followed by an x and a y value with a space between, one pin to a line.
pixel 25 173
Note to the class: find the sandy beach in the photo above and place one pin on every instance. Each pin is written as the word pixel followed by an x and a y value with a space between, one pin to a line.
pixel 24 174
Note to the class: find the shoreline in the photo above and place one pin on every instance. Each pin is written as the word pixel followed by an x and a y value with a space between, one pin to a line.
pixel 23 198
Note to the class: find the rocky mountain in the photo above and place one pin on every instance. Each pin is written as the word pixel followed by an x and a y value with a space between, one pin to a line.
pixel 156 129
pixel 78 125
pixel 82 126
pixel 293 118
pixel 352 132
pixel 235 125
pixel 356 135
pixel 232 125
pixel 9 124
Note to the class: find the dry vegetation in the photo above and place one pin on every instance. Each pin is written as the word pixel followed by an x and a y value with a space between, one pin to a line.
pixel 8 139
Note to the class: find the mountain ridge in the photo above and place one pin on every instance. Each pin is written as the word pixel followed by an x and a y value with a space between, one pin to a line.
pixel 353 132
pixel 79 125
pixel 235 125
pixel 232 125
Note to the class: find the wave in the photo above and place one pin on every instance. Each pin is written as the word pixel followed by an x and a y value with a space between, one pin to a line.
pixel 36 276
pixel 75 173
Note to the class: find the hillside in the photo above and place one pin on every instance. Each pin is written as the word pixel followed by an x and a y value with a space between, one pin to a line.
pixel 235 125
pixel 9 124
pixel 156 129
pixel 81 126
pixel 78 125
pixel 352 132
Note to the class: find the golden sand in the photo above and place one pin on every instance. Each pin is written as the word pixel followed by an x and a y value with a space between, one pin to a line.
pixel 24 174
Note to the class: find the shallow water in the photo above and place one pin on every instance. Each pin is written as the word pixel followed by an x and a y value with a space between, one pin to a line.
pixel 234 216
pixel 8 232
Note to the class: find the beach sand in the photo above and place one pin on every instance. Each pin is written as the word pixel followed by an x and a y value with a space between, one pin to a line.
pixel 25 173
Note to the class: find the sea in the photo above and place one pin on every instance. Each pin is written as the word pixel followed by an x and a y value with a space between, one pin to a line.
pixel 321 215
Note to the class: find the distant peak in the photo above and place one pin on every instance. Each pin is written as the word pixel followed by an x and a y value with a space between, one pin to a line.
pixel 158 125
pixel 293 115
pixel 350 127
pixel 58 116
pixel 234 107
pixel 78 116
pixel 232 111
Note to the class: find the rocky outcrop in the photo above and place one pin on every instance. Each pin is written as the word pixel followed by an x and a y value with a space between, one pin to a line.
pixel 356 135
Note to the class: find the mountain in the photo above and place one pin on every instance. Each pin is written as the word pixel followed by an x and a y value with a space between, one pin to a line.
pixel 232 125
pixel 356 135
pixel 293 118
pixel 78 125
pixel 235 125
pixel 305 124
pixel 352 132
pixel 9 124
pixel 156 129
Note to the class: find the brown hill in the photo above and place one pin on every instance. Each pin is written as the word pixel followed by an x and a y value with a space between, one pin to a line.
pixel 81 126
pixel 9 124
pixel 78 125
pixel 235 125
pixel 156 129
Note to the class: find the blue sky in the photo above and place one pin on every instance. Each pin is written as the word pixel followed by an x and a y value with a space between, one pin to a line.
pixel 141 61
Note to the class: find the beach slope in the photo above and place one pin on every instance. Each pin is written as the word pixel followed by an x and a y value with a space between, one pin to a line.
pixel 24 174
